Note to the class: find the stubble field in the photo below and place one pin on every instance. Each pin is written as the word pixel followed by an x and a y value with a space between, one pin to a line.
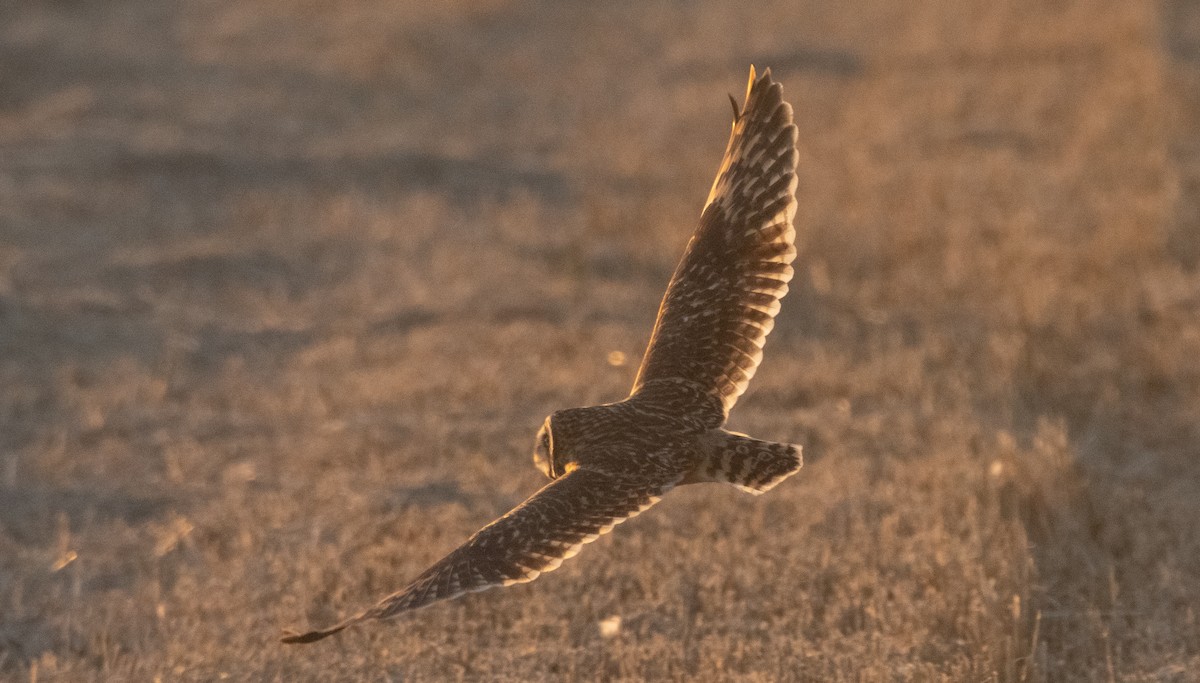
pixel 287 287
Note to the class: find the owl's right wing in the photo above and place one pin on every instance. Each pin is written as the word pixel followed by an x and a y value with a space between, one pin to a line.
pixel 721 302
pixel 533 538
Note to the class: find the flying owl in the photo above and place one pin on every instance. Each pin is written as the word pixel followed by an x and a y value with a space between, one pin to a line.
pixel 608 463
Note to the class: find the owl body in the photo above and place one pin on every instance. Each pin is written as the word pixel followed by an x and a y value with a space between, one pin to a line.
pixel 628 437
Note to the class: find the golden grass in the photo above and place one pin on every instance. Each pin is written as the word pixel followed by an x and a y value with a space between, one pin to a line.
pixel 286 288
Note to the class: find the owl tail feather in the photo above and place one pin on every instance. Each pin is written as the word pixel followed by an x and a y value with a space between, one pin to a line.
pixel 750 464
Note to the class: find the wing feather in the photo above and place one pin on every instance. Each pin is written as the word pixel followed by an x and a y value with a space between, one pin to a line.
pixel 721 303
pixel 532 539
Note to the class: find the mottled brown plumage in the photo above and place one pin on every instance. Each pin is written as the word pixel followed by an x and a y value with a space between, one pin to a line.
pixel 610 462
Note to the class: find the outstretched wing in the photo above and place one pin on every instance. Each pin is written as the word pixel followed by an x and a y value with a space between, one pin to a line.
pixel 533 538
pixel 722 300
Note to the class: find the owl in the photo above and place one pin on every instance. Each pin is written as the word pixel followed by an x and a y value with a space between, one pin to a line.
pixel 610 462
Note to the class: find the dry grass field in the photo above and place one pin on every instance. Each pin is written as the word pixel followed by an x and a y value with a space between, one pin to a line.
pixel 287 287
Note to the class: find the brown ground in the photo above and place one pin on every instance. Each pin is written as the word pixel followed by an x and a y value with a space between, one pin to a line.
pixel 286 288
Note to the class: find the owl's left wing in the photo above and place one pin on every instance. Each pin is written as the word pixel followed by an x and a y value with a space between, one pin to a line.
pixel 533 538
pixel 721 303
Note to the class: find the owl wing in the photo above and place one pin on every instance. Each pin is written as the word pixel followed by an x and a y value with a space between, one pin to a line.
pixel 533 538
pixel 722 300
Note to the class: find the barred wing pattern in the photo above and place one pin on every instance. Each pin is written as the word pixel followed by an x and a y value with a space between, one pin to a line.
pixel 533 538
pixel 722 300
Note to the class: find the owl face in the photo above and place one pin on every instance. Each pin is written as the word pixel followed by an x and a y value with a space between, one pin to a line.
pixel 543 450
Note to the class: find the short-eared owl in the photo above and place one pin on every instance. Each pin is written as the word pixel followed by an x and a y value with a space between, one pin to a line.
pixel 608 463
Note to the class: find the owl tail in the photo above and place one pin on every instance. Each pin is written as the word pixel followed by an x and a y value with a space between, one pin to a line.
pixel 752 465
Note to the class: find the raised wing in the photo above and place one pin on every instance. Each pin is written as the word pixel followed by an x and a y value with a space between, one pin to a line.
pixel 533 538
pixel 721 303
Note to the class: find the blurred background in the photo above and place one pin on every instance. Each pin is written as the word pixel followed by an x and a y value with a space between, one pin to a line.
pixel 287 287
